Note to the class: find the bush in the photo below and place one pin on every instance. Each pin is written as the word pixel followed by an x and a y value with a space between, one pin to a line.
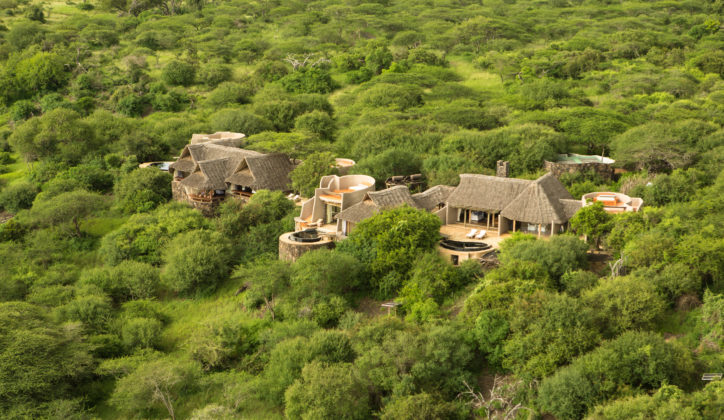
pixel 143 190
pixel 239 121
pixel 327 391
pixel 18 196
pixel 395 97
pixel 131 105
pixel 308 80
pixel 196 261
pixel 23 109
pixel 42 72
pixel 230 93
pixel 178 73
pixel 214 72
pixel 316 122
pixel 636 360
pixel 141 332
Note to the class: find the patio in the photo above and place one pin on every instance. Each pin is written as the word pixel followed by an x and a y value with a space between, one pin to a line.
pixel 458 232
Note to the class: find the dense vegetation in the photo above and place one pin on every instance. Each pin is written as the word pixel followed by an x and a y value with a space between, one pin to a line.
pixel 115 303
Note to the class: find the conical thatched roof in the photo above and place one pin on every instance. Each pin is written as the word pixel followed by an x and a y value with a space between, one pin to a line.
pixel 540 202
pixel 486 193
pixel 432 197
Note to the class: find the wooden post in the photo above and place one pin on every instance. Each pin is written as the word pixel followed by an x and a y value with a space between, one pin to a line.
pixel 539 230
pixel 488 225
pixel 553 225
pixel 513 225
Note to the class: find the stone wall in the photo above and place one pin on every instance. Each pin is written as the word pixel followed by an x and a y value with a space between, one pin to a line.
pixel 604 170
pixel 207 208
pixel 290 250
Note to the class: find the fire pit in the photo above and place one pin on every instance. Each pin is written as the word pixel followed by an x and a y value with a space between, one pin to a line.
pixel 306 235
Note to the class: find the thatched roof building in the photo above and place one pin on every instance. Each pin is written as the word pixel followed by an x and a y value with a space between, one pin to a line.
pixel 214 164
pixel 509 203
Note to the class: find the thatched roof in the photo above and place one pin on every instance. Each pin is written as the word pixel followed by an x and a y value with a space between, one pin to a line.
pixel 433 196
pixel 268 172
pixel 358 212
pixel 391 197
pixel 183 164
pixel 539 202
pixel 570 207
pixel 487 193
pixel 544 200
pixel 376 201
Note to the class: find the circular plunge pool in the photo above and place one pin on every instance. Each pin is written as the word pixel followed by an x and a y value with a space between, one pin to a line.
pixel 306 235
pixel 464 246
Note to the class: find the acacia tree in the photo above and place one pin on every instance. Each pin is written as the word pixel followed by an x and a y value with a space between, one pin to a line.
pixel 73 207
pixel 160 381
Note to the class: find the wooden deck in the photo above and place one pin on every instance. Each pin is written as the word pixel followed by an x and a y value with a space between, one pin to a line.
pixel 459 231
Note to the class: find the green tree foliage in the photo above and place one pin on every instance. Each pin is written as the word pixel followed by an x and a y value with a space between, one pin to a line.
pixel 144 236
pixel 421 406
pixel 178 73
pixel 431 280
pixel 635 359
pixel 390 243
pixel 18 196
pixel 305 177
pixel 624 303
pixel 560 254
pixel 154 384
pixel 127 280
pixel 316 122
pixel 592 221
pixel 389 163
pixel 668 401
pixel 71 207
pixel 655 146
pixel 196 260
pixel 239 121
pixel 42 72
pixel 333 391
pixel 59 134
pixel 143 190
pixel 308 80
pixel 561 329
pixel 38 363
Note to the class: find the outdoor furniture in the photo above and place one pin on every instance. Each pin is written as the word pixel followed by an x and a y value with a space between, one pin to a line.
pixel 290 196
pixel 482 234
pixel 296 197
pixel 472 233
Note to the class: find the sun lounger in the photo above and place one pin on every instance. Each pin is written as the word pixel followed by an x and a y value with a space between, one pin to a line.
pixel 296 197
pixel 481 234
pixel 472 233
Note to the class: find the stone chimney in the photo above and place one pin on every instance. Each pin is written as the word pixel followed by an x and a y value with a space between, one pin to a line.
pixel 502 169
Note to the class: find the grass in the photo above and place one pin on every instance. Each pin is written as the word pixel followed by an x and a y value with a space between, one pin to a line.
pixel 14 171
pixel 100 226
pixel 475 78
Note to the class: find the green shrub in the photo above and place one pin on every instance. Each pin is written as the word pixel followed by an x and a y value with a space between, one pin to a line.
pixel 141 332
pixel 18 196
pixel 196 261
pixel 178 73
pixel 143 190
